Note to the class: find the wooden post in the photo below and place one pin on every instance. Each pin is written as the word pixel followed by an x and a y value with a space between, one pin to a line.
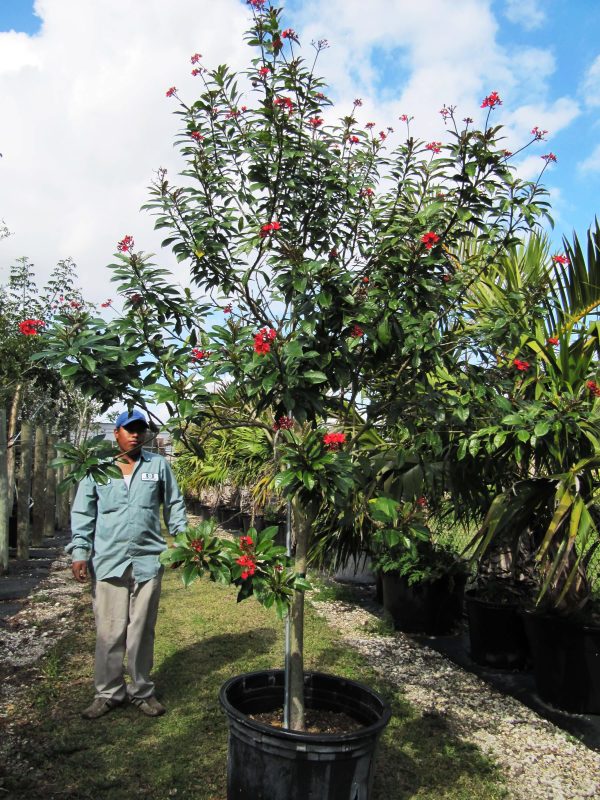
pixel 38 485
pixel 12 438
pixel 62 502
pixel 4 504
pixel 50 502
pixel 24 492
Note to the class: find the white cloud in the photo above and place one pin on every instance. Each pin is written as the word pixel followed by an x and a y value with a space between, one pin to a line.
pixel 525 12
pixel 591 84
pixel 592 162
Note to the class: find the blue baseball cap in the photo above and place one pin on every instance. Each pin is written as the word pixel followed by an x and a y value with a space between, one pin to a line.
pixel 125 419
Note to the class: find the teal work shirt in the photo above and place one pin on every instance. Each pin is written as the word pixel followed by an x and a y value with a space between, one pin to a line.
pixel 118 526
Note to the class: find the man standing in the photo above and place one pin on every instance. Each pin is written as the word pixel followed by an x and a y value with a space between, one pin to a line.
pixel 118 526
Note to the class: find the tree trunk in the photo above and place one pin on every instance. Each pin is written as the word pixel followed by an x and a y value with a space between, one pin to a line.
pixel 62 502
pixel 295 662
pixel 12 440
pixel 24 491
pixel 4 505
pixel 50 502
pixel 38 487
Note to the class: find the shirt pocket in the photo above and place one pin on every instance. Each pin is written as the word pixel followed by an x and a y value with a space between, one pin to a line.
pixel 148 494
pixel 109 498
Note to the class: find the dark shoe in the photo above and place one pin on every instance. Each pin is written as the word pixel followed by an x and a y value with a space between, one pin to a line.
pixel 99 708
pixel 148 706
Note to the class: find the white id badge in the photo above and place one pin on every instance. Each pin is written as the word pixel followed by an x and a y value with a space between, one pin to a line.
pixel 150 476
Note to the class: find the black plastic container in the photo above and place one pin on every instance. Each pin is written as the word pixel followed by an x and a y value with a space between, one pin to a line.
pixel 431 607
pixel 267 763
pixel 496 633
pixel 566 662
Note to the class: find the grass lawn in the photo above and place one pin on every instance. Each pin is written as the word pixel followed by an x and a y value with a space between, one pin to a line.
pixel 203 638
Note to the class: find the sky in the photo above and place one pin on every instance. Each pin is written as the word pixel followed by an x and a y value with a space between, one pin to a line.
pixel 85 122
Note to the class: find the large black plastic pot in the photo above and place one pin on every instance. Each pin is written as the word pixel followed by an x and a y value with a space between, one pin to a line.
pixel 432 607
pixel 267 763
pixel 496 633
pixel 566 662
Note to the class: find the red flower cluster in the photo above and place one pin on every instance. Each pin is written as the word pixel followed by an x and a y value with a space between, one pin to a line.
pixel 256 3
pixel 75 304
pixel 549 157
pixel 403 118
pixel 197 71
pixel 263 339
pixel 368 192
pixel 491 101
pixel 283 424
pixel 135 299
pixel 358 102
pixel 249 566
pixel 268 228
pixel 289 33
pixel 315 121
pixel 430 239
pixel 333 441
pixel 365 279
pixel 228 309
pixel 196 58
pixel 170 92
pixel 538 133
pixel 31 327
pixel 435 147
pixel 561 260
pixel 353 139
pixel 286 102
pixel 106 303
pixel 197 136
pixel 356 332
pixel 197 545
pixel 370 125
pixel 594 388
pixel 553 340
pixel 126 245
pixel 198 354
pixel 422 502
pixel 522 366
pixel 263 71
pixel 382 136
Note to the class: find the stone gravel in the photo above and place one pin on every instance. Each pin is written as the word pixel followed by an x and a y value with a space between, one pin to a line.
pixel 539 760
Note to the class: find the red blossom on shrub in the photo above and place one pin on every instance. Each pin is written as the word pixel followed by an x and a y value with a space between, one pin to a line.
pixel 430 239
pixel 170 92
pixel 315 121
pixel 196 58
pixel 197 545
pixel 445 112
pixel 246 542
pixel 283 424
pixel 289 33
pixel 197 71
pixel 264 71
pixel 75 304
pixel 522 366
pixel 106 303
pixel 538 133
pixel 593 388
pixel 553 340
pixel 198 354
pixel 435 147
pixel 136 299
pixel 286 102
pixel 268 228
pixel 197 136
pixel 422 502
pixel 31 327
pixel 357 102
pixel 446 278
pixel 263 339
pixel 249 565
pixel 561 259
pixel 370 125
pixel 403 118
pixel 356 332
pixel 365 279
pixel 491 101
pixel 367 192
pixel 549 157
pixel 333 441
pixel 126 244
pixel 258 4
pixel 353 139
pixel 227 309
pixel 507 153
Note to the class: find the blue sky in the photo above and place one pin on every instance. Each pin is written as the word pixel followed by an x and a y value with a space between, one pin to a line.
pixel 85 121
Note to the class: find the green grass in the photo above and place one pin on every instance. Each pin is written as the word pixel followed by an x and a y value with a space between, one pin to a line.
pixel 203 638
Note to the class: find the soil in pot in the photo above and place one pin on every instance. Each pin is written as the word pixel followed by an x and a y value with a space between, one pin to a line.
pixel 496 633
pixel 269 763
pixel 566 661
pixel 431 607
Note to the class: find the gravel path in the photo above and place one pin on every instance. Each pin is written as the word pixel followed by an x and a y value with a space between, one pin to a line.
pixel 539 760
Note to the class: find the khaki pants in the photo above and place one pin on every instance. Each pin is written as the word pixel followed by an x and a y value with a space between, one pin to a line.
pixel 125 614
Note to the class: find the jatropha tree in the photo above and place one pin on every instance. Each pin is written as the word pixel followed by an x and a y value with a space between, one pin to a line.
pixel 331 270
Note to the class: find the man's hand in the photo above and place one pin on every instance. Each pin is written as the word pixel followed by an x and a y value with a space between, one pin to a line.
pixel 80 571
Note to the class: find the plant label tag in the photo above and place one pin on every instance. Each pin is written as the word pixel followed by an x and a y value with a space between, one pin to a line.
pixel 150 476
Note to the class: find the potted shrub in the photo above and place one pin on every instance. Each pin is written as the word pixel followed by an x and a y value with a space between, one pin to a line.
pixel 329 294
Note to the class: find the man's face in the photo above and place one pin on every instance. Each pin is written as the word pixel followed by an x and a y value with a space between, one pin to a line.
pixel 130 438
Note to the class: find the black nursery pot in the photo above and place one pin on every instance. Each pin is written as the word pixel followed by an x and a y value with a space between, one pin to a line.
pixel 431 607
pixel 496 633
pixel 566 662
pixel 267 763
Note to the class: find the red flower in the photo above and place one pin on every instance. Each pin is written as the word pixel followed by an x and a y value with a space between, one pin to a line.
pixel 353 139
pixel 197 136
pixel 106 303
pixel 370 125
pixel 286 102
pixel 356 332
pixel 446 278
pixel 365 279
pixel 289 33
pixel 197 545
pixel 552 340
pixel 246 542
pixel 198 354
pixel 31 327
pixel 263 339
pixel 315 121
pixel 283 424
pixel 549 157
pixel 256 3
pixel 136 299
pixel 422 502
pixel 430 239
pixel 382 136
pixel 75 304
pixel 197 71
pixel 491 101
pixel 126 244
pixel 538 133
pixel 507 153
pixel 435 147
pixel 268 228
pixel 227 309
pixel 264 71
pixel 561 260
pixel 232 113
pixel 367 192
pixel 195 58
pixel 170 92
pixel 333 441
pixel 403 118
pixel 249 564
pixel 358 102
pixel 522 366
pixel 593 388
